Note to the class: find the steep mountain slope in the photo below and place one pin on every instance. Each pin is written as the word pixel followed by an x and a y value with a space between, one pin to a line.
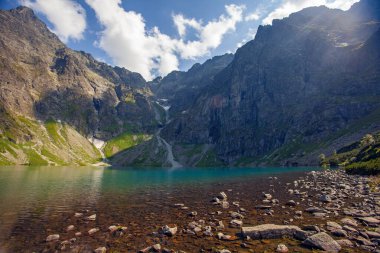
pixel 182 88
pixel 304 85
pixel 43 81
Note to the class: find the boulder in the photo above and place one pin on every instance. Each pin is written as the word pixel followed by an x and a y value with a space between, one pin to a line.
pixel 322 241
pixel 269 231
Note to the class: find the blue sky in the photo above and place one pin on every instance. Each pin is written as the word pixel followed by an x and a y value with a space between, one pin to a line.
pixel 154 37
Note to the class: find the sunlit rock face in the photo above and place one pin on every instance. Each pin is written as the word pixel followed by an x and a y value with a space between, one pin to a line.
pixel 301 84
pixel 43 79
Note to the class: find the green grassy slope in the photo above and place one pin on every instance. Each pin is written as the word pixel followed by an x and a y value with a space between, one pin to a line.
pixel 30 142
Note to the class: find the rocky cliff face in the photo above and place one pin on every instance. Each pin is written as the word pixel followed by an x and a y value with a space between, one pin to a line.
pixel 43 80
pixel 303 82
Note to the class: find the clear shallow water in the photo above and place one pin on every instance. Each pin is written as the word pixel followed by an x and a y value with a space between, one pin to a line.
pixel 31 197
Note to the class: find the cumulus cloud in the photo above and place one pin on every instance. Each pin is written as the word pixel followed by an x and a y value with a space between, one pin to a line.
pixel 252 16
pixel 289 6
pixel 67 16
pixel 130 44
pixel 181 23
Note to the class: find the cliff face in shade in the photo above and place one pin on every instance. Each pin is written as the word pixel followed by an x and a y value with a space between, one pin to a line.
pixel 302 83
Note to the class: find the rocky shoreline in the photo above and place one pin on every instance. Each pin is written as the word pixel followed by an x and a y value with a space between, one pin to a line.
pixel 323 210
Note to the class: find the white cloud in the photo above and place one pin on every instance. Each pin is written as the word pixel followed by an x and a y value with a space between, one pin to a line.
pixel 252 16
pixel 289 6
pixel 67 16
pixel 130 44
pixel 181 22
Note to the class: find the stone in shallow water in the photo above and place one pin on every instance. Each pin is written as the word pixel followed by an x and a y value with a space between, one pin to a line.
pixel 236 223
pixel 101 250
pixel 169 230
pixel 93 231
pixel 282 248
pixel 91 217
pixel 269 231
pixel 53 237
pixel 70 228
pixel 223 196
pixel 78 215
pixel 322 241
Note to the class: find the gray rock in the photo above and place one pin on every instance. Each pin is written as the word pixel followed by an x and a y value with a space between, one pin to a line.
pixel 349 222
pixel 345 243
pixel 325 198
pixel 269 231
pixel 236 223
pixel 169 230
pixel 322 241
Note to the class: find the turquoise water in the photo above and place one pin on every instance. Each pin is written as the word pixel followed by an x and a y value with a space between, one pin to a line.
pixel 30 196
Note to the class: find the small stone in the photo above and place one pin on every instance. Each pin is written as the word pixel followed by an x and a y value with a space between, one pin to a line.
pixel 78 215
pixel 236 215
pixel 70 228
pixel 236 223
pixel 78 233
pixel 282 248
pixel 91 217
pixel 169 230
pixel 194 213
pixel 325 198
pixel 156 247
pixel 101 250
pixel 93 231
pixel 53 237
pixel 223 196
pixel 291 203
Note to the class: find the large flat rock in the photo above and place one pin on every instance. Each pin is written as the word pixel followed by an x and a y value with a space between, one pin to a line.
pixel 322 241
pixel 269 231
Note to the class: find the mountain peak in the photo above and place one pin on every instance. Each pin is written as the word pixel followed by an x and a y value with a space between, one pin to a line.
pixel 24 12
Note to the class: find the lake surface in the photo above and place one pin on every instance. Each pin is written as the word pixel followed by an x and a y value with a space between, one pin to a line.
pixel 37 201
